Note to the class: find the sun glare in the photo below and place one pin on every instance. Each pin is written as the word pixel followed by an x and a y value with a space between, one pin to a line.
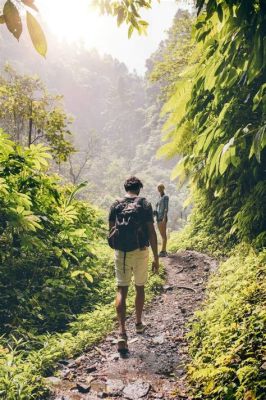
pixel 70 20
pixel 77 21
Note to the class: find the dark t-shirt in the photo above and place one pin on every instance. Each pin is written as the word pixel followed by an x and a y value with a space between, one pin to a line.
pixel 146 217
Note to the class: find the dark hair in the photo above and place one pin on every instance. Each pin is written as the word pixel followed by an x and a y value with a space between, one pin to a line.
pixel 133 184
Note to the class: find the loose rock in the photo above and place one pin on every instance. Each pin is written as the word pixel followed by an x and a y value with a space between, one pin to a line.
pixel 136 390
pixel 83 388
pixel 53 380
pixel 115 387
pixel 91 368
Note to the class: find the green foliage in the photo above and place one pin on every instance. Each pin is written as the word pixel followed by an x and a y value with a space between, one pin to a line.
pixel 173 54
pixel 46 243
pixel 30 114
pixel 126 11
pixel 227 340
pixel 207 229
pixel 217 116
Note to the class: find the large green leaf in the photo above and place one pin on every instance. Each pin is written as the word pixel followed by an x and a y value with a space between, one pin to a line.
pixel 258 144
pixel 130 31
pixel 179 170
pixel 37 35
pixel 259 96
pixel 215 159
pixel 227 153
pixel 12 19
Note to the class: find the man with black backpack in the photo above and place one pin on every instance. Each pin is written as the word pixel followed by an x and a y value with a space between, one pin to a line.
pixel 131 231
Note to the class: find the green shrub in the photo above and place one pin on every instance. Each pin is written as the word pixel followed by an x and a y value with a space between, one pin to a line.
pixel 47 242
pixel 207 229
pixel 228 337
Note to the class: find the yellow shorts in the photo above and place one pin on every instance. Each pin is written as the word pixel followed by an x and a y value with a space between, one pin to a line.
pixel 136 263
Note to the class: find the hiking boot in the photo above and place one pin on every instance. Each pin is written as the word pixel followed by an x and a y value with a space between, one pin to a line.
pixel 140 327
pixel 122 346
pixel 163 254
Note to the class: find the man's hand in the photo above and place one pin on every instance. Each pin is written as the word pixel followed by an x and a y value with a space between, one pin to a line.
pixel 155 266
pixel 154 246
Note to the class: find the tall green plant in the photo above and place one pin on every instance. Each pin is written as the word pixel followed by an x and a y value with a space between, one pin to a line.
pixel 217 115
pixel 47 241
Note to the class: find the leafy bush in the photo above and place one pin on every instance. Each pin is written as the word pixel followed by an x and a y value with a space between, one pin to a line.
pixel 216 116
pixel 47 242
pixel 207 229
pixel 227 340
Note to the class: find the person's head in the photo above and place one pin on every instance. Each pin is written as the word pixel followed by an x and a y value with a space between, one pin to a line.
pixel 161 188
pixel 133 185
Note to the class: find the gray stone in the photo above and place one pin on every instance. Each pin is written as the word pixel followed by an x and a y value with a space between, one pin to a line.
pixel 53 380
pixel 114 386
pixel 158 339
pixel 136 390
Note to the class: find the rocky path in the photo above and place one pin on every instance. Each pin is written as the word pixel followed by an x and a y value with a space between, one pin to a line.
pixel 155 366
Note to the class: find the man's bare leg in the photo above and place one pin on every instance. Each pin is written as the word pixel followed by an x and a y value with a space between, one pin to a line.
pixel 139 302
pixel 120 304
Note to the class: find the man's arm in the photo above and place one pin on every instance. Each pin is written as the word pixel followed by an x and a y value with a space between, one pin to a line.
pixel 111 217
pixel 154 245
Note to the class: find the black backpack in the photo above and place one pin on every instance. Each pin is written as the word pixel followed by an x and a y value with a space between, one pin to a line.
pixel 127 234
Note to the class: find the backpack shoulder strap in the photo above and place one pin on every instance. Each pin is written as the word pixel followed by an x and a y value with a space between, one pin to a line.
pixel 139 199
pixel 119 200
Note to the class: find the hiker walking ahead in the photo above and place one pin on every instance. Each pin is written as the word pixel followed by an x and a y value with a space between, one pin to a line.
pixel 161 217
pixel 131 231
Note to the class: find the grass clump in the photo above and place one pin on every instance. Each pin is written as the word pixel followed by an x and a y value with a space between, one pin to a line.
pixel 228 337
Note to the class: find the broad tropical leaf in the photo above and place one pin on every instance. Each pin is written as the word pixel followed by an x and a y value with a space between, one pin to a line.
pixel 36 34
pixel 12 19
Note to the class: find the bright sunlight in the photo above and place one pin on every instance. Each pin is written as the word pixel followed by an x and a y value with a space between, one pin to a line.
pixel 79 22
pixel 72 21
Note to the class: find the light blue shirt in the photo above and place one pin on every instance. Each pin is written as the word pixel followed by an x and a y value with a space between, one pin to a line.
pixel 162 207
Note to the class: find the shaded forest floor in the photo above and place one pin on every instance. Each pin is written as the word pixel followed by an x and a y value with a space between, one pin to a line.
pixel 156 365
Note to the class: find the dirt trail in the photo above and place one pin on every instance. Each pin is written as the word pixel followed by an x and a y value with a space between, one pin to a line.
pixel 155 367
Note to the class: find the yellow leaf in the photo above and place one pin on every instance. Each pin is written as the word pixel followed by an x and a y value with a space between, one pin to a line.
pixel 36 34
pixel 88 277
